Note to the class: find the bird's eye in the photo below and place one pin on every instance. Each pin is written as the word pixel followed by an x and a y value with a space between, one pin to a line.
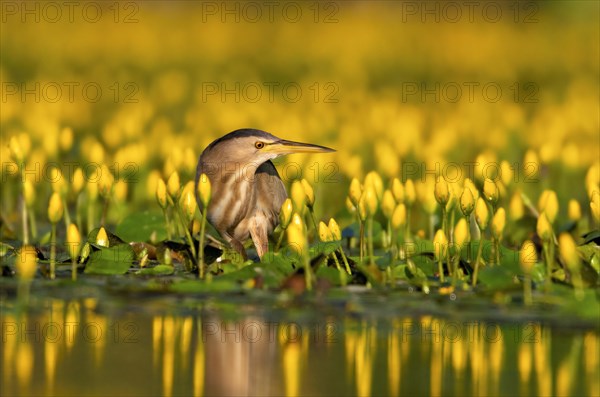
pixel 259 145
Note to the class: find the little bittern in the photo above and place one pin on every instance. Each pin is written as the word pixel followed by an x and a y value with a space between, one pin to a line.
pixel 247 192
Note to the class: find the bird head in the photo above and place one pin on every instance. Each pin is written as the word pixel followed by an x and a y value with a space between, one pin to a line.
pixel 251 146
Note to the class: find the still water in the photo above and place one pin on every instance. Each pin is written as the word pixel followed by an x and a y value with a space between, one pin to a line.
pixel 76 348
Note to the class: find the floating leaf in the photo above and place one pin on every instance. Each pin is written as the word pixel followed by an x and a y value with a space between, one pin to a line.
pixel 140 226
pixel 113 260
pixel 158 270
pixel 199 286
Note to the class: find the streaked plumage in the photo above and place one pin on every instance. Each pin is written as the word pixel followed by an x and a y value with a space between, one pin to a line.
pixel 247 192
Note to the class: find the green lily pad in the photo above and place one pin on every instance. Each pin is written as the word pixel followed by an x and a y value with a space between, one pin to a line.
pixel 158 270
pixel 113 260
pixel 199 286
pixel 496 277
pixel 143 226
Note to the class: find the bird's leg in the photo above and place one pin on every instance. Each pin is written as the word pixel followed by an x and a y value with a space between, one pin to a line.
pixel 239 247
pixel 260 237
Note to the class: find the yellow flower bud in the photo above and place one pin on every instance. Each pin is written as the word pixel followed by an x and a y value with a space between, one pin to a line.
pixel 362 208
pixel 490 191
pixel 374 179
pixel 595 206
pixel 388 204
pixel 574 210
pixel 66 139
pixel 78 181
pixel 440 245
pixel 467 202
pixel 204 190
pixel 120 190
pixel 531 165
pixel 285 214
pixel 92 189
pixel 16 151
pixel 399 216
pixel 73 240
pixel 454 193
pixel 196 226
pixel 188 201
pixel 350 206
pixel 468 184
pixel 309 192
pixel 544 228
pixel 398 190
pixel 548 203
pixel 370 200
pixel 57 181
pixel 498 223
pixel 516 206
pixel 335 229
pixel 161 194
pixel 461 233
pixel 96 153
pixel 295 235
pixel 55 208
pixel 28 193
pixel 152 183
pixel 106 181
pixel 427 196
pixel 298 196
pixel 409 192
pixel 26 262
pixel 528 256
pixel 324 232
pixel 173 185
pixel 482 214
pixel 507 173
pixel 355 191
pixel 102 238
pixel 592 177
pixel 441 192
pixel 568 251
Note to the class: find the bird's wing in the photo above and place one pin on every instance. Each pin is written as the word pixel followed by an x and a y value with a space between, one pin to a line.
pixel 270 195
pixel 271 192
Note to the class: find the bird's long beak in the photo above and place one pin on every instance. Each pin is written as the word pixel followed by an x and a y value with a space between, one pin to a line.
pixel 288 147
